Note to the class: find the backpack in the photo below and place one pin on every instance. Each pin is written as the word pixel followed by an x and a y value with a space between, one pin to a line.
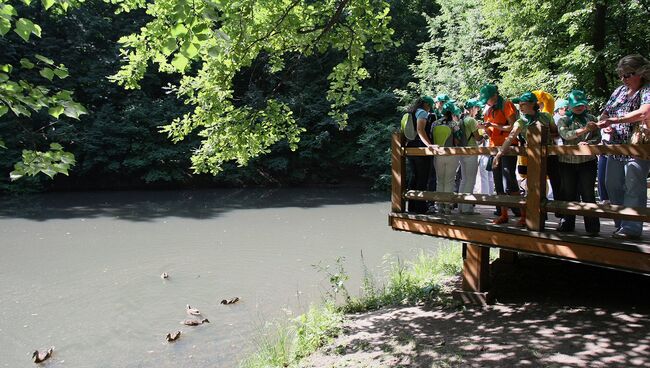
pixel 460 136
pixel 408 125
pixel 442 136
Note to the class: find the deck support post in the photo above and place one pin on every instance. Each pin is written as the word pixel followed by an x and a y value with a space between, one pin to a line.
pixel 476 275
pixel 398 164
pixel 536 141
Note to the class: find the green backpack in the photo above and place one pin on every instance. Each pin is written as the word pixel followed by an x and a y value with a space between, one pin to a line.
pixel 409 126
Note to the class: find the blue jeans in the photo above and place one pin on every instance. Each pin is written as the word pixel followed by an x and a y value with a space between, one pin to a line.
pixel 602 188
pixel 626 185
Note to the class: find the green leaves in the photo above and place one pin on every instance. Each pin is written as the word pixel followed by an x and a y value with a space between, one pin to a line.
pixel 25 27
pixel 51 162
pixel 225 39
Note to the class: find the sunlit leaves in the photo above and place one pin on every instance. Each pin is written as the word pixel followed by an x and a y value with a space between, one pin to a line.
pixel 210 42
pixel 52 162
pixel 22 97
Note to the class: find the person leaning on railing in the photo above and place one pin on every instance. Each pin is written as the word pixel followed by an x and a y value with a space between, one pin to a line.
pixel 446 165
pixel 498 120
pixel 420 165
pixel 530 114
pixel 627 112
pixel 578 173
pixel 469 164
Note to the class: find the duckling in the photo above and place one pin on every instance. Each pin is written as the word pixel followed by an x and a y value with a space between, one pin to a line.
pixel 192 311
pixel 230 301
pixel 41 357
pixel 164 276
pixel 194 322
pixel 171 337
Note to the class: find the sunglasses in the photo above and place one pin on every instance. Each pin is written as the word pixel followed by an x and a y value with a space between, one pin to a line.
pixel 627 75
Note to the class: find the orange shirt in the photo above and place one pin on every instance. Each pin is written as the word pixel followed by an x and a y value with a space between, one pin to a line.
pixel 499 117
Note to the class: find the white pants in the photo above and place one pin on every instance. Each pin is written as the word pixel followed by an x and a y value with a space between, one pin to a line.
pixel 486 180
pixel 446 173
pixel 468 170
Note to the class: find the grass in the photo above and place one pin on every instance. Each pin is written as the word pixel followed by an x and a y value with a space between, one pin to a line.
pixel 407 283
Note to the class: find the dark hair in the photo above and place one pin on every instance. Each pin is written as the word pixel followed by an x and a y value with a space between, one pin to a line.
pixel 415 105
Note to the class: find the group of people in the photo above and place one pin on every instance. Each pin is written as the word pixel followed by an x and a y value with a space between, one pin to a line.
pixel 625 119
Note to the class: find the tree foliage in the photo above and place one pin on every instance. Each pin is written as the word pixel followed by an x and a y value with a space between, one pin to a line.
pixel 531 44
pixel 22 92
pixel 210 41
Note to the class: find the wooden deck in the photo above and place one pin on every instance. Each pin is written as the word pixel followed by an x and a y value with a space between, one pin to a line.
pixel 539 237
pixel 575 246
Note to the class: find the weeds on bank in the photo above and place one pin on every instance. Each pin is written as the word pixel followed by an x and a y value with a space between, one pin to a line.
pixel 407 283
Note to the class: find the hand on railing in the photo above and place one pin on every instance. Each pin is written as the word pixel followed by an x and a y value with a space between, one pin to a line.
pixel 497 158
pixel 433 147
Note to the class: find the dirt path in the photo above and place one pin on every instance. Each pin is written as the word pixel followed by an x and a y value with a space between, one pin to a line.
pixel 548 314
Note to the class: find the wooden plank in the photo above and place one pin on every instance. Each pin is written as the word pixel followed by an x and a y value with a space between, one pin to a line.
pixel 599 210
pixel 476 268
pixel 536 191
pixel 522 241
pixel 638 150
pixel 500 200
pixel 462 151
pixel 398 165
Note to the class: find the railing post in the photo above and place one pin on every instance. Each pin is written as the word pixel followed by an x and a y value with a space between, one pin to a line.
pixel 536 140
pixel 398 169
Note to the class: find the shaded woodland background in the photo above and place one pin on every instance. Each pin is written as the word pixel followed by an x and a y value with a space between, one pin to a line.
pixel 442 47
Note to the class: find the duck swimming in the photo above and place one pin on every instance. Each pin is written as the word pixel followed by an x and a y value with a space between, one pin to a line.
pixel 41 357
pixel 192 311
pixel 230 301
pixel 164 276
pixel 194 322
pixel 170 337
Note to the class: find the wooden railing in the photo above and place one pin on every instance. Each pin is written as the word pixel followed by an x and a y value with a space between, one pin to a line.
pixel 535 200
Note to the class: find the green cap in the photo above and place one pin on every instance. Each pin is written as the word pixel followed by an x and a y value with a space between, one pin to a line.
pixel 449 106
pixel 428 99
pixel 487 91
pixel 442 98
pixel 526 97
pixel 473 102
pixel 561 103
pixel 577 98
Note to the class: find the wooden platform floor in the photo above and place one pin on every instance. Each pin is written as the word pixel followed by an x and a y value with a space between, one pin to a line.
pixel 482 223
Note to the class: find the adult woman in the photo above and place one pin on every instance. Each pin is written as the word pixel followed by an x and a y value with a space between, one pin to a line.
pixel 498 120
pixel 625 111
pixel 469 164
pixel 578 172
pixel 420 165
pixel 443 135
pixel 531 114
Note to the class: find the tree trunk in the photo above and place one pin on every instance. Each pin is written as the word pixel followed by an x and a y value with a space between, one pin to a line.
pixel 598 40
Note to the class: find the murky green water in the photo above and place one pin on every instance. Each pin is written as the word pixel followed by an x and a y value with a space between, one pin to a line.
pixel 82 271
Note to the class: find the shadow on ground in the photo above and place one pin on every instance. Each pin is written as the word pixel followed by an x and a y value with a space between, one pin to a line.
pixel 200 204
pixel 548 314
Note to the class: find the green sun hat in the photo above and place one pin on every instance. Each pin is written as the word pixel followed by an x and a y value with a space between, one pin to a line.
pixel 429 100
pixel 473 102
pixel 442 98
pixel 561 104
pixel 577 98
pixel 487 91
pixel 526 97
pixel 450 106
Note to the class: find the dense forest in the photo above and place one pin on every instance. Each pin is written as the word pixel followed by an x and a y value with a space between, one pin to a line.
pixel 161 99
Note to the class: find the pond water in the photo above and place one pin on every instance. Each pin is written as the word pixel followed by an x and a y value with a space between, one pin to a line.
pixel 81 271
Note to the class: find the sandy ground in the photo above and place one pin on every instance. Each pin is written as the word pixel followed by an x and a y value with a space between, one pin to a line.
pixel 547 314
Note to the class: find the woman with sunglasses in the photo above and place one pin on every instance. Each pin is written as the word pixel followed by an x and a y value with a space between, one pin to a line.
pixel 628 107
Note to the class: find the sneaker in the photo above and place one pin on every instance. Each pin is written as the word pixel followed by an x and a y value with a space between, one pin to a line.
pixel 621 235
pixel 565 227
pixel 500 220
